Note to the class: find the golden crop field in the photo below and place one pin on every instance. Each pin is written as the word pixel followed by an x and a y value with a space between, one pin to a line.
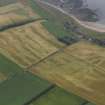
pixel 75 70
pixel 27 44
pixel 90 53
pixel 14 13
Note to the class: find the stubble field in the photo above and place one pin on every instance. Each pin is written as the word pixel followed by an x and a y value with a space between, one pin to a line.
pixel 71 70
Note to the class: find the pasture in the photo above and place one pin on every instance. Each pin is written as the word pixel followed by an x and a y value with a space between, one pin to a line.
pixel 21 88
pixel 58 96
pixel 8 68
pixel 70 69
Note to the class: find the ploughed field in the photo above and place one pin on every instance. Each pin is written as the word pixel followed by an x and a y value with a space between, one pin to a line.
pixel 78 69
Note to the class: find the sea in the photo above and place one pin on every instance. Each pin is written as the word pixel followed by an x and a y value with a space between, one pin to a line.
pixel 99 7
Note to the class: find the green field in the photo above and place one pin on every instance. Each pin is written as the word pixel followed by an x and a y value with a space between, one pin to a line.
pixel 8 67
pixel 21 88
pixel 58 96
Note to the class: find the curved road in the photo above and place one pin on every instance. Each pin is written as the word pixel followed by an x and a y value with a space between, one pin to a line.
pixel 89 25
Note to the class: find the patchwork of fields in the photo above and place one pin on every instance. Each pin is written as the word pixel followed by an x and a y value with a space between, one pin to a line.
pixel 15 15
pixel 76 73
pixel 19 87
pixel 24 88
pixel 28 50
pixel 27 44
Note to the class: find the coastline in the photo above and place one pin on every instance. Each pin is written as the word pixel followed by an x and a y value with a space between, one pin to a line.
pixel 89 25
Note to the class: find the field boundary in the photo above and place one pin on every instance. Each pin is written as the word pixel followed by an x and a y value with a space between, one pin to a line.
pixel 50 55
pixel 18 24
pixel 41 94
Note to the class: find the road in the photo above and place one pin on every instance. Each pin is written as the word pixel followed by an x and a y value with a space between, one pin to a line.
pixel 87 25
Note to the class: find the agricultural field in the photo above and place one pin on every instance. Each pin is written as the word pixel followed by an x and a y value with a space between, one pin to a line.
pixel 28 44
pixel 15 14
pixel 21 88
pixel 16 86
pixel 24 88
pixel 29 49
pixel 70 69
pixel 8 68
pixel 58 96
pixel 95 55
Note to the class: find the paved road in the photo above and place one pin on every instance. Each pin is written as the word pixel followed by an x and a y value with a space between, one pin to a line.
pixel 84 24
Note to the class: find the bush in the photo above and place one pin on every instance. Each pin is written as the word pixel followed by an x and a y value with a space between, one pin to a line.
pixel 68 40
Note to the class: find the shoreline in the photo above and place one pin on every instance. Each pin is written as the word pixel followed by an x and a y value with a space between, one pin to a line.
pixel 89 25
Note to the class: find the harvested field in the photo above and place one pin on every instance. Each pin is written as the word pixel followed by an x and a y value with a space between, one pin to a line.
pixel 14 14
pixel 71 69
pixel 28 44
pixel 90 53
